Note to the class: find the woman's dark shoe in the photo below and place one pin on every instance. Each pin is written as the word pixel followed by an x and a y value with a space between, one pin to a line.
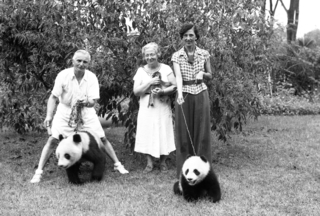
pixel 163 168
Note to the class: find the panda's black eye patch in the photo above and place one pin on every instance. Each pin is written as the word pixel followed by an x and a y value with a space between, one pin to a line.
pixel 196 172
pixel 67 156
pixel 186 173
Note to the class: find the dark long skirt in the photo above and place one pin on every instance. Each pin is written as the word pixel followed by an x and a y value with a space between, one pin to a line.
pixel 196 110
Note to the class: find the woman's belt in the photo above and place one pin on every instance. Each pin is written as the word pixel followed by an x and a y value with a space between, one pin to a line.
pixel 191 82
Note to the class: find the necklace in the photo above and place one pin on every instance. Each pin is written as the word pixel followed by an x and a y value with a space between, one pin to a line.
pixel 190 55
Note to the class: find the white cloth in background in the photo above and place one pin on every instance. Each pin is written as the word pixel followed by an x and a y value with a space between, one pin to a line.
pixel 154 125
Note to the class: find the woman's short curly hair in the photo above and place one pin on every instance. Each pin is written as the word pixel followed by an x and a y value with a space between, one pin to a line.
pixel 186 27
pixel 153 46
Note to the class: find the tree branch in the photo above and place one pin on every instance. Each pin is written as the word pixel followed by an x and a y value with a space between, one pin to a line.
pixel 275 7
pixel 284 6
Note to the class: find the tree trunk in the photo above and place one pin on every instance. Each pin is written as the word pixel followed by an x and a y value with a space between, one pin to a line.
pixel 293 18
pixel 263 8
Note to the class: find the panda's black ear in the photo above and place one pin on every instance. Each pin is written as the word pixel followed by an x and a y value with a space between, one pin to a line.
pixel 203 158
pixel 76 138
pixel 60 137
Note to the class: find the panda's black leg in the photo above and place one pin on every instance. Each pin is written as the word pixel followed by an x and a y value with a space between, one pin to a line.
pixel 190 197
pixel 98 169
pixel 190 193
pixel 176 188
pixel 73 174
pixel 214 193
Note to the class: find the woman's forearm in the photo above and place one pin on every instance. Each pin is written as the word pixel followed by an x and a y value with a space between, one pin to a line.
pixel 141 89
pixel 177 71
pixel 207 73
pixel 169 90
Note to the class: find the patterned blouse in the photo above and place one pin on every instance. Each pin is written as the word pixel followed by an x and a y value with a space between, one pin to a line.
pixel 189 70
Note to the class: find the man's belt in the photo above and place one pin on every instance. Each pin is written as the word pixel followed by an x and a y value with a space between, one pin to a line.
pixel 191 82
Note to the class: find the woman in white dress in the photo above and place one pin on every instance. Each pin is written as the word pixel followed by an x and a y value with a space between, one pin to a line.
pixel 154 136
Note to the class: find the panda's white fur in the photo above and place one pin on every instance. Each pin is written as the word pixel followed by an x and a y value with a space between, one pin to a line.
pixel 80 146
pixel 195 170
pixel 198 180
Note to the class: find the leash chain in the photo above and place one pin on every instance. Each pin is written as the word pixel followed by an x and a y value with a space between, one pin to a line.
pixel 185 120
pixel 76 116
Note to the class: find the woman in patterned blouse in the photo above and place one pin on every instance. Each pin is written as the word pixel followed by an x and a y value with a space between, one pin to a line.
pixel 192 113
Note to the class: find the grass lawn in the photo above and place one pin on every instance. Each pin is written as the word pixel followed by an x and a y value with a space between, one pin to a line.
pixel 271 168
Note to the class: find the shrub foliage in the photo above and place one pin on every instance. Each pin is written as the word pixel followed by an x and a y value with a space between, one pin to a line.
pixel 37 41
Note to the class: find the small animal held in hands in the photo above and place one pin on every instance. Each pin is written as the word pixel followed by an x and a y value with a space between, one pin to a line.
pixel 151 98
pixel 198 180
pixel 81 146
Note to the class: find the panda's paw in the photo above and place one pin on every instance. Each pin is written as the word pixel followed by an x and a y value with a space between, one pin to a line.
pixel 78 182
pixel 190 199
pixel 96 178
pixel 36 177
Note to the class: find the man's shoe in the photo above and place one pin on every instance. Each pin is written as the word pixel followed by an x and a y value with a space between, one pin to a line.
pixel 120 168
pixel 37 176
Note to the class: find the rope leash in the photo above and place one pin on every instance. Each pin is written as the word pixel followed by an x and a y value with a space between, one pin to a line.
pixel 185 121
pixel 76 116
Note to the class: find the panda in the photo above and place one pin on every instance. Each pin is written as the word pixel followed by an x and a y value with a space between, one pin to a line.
pixel 78 147
pixel 197 180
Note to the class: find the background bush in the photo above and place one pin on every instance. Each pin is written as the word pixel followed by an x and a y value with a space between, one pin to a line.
pixel 288 104
pixel 38 39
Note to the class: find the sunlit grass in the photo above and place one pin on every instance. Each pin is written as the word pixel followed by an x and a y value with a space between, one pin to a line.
pixel 271 168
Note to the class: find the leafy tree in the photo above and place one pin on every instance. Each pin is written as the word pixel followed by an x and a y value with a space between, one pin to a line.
pixel 314 36
pixel 37 41
pixel 233 34
pixel 300 68
pixel 306 42
pixel 295 63
pixel 33 48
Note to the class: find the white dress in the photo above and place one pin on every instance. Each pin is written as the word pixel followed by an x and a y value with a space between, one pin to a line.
pixel 154 124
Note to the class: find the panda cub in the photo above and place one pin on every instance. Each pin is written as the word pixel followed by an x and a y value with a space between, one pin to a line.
pixel 78 147
pixel 198 180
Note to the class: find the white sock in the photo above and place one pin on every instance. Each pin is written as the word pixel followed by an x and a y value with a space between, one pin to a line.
pixel 39 171
pixel 117 164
